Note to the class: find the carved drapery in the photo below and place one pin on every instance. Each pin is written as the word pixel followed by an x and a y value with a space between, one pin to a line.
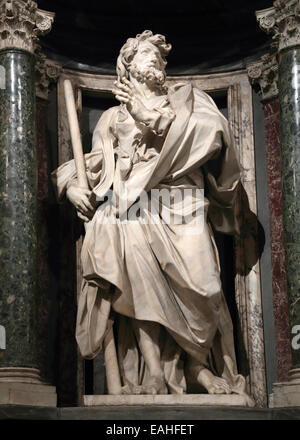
pixel 247 287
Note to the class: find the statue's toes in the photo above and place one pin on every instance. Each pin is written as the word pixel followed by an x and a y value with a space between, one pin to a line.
pixel 222 383
pixel 153 390
pixel 148 389
pixel 163 390
pixel 137 390
pixel 215 389
pixel 219 386
pixel 157 386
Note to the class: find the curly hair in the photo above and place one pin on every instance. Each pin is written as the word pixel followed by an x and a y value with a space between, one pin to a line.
pixel 130 48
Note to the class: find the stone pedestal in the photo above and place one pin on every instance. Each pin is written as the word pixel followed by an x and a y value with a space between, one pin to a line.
pixel 285 394
pixel 15 393
pixel 184 400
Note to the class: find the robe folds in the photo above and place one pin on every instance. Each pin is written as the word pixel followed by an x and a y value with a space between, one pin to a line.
pixel 159 271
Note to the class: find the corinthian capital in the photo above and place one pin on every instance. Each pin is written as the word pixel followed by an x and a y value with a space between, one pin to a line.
pixel 21 22
pixel 264 72
pixel 46 72
pixel 283 20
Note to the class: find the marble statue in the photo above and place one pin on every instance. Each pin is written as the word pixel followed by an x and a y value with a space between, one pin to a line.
pixel 171 325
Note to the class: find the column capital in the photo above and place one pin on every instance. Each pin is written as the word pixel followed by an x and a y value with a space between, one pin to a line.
pixel 21 22
pixel 283 20
pixel 264 72
pixel 46 71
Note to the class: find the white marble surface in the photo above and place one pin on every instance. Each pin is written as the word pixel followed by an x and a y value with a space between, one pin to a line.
pixel 168 400
pixel 240 115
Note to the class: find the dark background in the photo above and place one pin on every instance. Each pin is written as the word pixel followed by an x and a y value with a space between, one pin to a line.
pixel 206 35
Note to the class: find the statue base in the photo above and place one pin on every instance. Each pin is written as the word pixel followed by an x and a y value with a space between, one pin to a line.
pixel 188 400
pixel 33 394
pixel 285 394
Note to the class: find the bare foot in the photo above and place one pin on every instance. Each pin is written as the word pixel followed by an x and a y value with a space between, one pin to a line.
pixel 154 386
pixel 213 384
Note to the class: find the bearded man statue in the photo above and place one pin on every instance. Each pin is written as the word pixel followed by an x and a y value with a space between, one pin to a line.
pixel 171 323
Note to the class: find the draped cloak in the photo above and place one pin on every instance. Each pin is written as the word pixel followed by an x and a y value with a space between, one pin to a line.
pixel 159 272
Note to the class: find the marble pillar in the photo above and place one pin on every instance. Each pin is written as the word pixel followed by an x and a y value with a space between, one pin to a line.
pixel 283 19
pixel 18 208
pixel 264 74
pixel 289 87
pixel 20 382
pixel 46 73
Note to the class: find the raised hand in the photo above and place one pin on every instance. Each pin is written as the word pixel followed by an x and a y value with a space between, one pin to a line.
pixel 79 197
pixel 126 93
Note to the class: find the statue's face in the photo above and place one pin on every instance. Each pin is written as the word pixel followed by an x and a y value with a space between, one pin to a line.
pixel 148 57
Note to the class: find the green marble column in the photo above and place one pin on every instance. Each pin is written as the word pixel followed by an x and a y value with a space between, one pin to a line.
pixel 289 95
pixel 18 201
pixel 20 382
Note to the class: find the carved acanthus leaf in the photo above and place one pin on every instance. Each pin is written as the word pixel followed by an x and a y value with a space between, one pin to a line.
pixel 283 20
pixel 265 73
pixel 46 71
pixel 21 22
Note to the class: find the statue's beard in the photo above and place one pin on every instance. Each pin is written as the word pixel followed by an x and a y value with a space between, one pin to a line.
pixel 148 75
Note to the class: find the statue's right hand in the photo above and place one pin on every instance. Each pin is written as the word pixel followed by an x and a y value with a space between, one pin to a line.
pixel 79 197
pixel 126 93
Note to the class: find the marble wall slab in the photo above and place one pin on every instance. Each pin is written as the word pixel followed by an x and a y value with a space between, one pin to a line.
pixel 279 283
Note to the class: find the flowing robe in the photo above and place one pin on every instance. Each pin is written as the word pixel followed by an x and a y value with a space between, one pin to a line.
pixel 160 273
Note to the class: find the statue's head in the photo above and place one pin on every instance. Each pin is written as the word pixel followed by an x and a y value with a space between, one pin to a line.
pixel 144 58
